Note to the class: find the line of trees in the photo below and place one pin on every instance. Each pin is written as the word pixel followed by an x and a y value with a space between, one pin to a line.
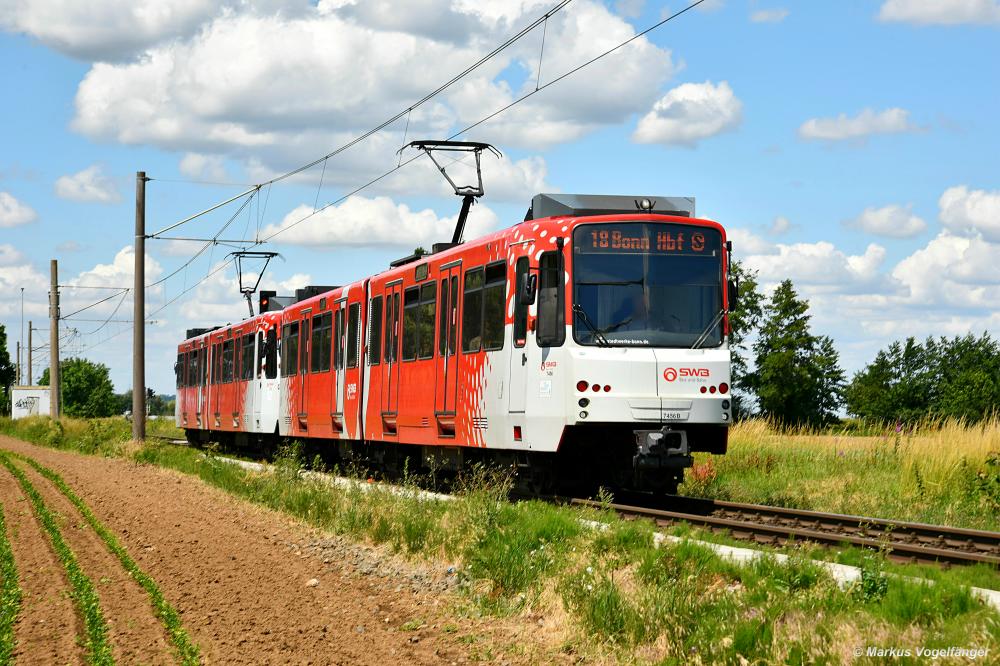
pixel 87 392
pixel 796 376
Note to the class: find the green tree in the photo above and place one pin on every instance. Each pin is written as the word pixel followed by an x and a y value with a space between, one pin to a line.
pixel 830 380
pixel 899 385
pixel 744 320
pixel 8 372
pixel 87 391
pixel 797 378
pixel 957 378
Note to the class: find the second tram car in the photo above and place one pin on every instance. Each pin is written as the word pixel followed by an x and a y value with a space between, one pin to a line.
pixel 587 344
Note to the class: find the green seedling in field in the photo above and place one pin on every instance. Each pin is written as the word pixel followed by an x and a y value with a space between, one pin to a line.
pixel 96 645
pixel 10 594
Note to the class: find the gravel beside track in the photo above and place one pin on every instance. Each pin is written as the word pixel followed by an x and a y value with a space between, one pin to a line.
pixel 254 587
pixel 47 625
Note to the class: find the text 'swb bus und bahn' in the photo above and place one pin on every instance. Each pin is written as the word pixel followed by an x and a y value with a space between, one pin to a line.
pixel 586 345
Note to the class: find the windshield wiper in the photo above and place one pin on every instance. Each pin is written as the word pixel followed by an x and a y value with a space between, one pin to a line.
pixel 712 324
pixel 598 336
pixel 614 327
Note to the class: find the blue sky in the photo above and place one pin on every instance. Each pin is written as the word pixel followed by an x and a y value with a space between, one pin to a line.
pixel 851 147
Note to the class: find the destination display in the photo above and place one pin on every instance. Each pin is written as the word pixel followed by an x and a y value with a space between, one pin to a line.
pixel 643 238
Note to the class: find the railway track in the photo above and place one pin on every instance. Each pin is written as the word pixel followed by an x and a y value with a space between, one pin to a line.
pixel 903 541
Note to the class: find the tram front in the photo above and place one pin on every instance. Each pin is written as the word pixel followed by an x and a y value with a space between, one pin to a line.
pixel 650 345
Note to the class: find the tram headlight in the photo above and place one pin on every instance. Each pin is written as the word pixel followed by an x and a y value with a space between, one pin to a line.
pixel 583 415
pixel 584 402
pixel 725 404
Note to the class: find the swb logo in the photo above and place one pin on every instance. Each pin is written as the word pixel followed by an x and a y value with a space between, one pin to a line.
pixel 671 374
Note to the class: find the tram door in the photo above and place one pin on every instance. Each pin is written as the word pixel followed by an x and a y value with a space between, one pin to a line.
pixel 390 365
pixel 519 355
pixel 337 392
pixel 446 384
pixel 305 345
pixel 202 371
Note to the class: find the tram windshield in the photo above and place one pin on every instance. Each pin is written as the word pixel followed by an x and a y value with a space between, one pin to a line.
pixel 647 285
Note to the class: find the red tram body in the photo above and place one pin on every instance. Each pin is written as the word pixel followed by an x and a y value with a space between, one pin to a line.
pixel 587 342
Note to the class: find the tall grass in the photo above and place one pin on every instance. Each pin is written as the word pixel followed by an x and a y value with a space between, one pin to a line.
pixel 945 472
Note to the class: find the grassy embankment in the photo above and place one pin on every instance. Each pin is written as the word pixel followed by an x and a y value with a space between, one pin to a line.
pixel 946 473
pixel 610 592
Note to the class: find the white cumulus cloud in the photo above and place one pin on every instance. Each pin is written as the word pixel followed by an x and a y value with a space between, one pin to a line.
pixel 968 211
pixel 106 30
pixel 203 167
pixel 893 221
pixel 690 113
pixel 373 222
pixel 769 15
pixel 13 213
pixel 89 185
pixel 859 127
pixel 941 12
pixel 318 76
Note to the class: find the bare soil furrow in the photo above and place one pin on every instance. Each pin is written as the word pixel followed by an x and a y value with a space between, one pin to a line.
pixel 247 594
pixel 135 633
pixel 47 627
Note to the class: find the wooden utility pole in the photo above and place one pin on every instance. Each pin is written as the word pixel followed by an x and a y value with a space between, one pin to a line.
pixel 54 379
pixel 30 371
pixel 139 314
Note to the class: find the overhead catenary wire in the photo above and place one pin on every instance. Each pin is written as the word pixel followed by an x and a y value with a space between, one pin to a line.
pixel 376 179
pixel 378 128
pixel 488 117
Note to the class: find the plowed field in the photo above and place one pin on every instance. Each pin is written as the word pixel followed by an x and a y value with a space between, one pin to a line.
pixel 249 585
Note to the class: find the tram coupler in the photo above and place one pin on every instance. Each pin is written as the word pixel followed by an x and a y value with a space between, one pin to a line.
pixel 663 448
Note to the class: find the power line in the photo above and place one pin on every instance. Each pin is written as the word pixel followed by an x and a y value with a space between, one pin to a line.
pixel 487 118
pixel 405 112
pixel 261 241
pixel 92 305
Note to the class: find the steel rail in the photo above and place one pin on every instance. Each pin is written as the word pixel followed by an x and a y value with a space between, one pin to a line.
pixel 903 541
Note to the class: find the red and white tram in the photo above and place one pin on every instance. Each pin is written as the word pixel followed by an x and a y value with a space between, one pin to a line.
pixel 588 343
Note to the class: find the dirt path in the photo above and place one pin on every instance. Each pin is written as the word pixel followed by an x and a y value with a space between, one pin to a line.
pixel 136 635
pixel 238 575
pixel 47 626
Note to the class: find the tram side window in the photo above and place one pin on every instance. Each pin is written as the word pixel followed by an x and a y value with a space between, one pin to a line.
pixel 217 363
pixel 425 323
pixel 192 368
pixel 321 334
pixel 493 306
pixel 290 349
pixel 203 366
pixel 227 361
pixel 338 339
pixel 179 370
pixel 353 339
pixel 304 339
pixel 411 313
pixel 271 361
pixel 472 311
pixel 391 328
pixel 453 319
pixel 375 332
pixel 247 357
pixel 443 330
pixel 520 309
pixel 551 308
